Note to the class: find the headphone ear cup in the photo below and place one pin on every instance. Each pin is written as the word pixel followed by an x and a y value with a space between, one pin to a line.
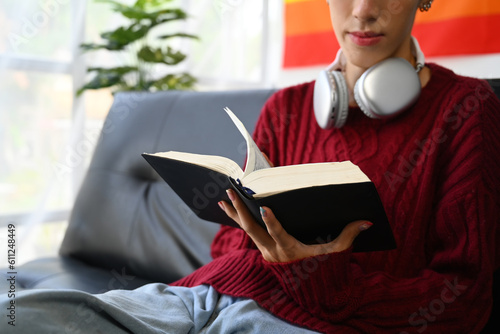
pixel 331 99
pixel 387 88
pixel 360 101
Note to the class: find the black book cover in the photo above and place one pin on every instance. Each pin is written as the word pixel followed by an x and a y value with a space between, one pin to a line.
pixel 199 188
pixel 312 215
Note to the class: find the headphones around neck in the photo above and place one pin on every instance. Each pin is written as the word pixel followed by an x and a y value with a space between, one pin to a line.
pixel 384 90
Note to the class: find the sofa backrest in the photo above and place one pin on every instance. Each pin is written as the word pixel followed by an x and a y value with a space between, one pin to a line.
pixel 495 85
pixel 492 325
pixel 125 216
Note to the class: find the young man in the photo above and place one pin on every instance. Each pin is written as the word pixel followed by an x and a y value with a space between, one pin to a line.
pixel 436 168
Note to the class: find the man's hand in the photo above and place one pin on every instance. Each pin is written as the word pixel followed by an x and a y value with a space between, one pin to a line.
pixel 275 244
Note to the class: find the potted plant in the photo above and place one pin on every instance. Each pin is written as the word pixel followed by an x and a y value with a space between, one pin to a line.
pixel 134 38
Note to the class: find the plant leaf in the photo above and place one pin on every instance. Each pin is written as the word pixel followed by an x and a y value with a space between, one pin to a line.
pixel 157 55
pixel 145 4
pixel 143 15
pixel 179 34
pixel 120 70
pixel 150 55
pixel 174 81
pixel 146 9
pixel 117 6
pixel 166 15
pixel 127 11
pixel 92 46
pixel 121 37
pixel 107 77
pixel 101 80
pixel 173 58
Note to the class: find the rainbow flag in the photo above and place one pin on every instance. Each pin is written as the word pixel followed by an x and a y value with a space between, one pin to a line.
pixel 450 27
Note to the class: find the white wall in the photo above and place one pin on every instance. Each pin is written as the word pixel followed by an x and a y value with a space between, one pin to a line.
pixel 483 66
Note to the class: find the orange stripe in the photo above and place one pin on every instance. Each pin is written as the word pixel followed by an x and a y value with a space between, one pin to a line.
pixel 450 27
pixel 468 35
pixel 310 50
pixel 452 9
pixel 459 36
pixel 306 17
pixel 293 1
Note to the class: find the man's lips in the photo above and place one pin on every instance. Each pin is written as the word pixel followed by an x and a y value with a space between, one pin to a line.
pixel 365 38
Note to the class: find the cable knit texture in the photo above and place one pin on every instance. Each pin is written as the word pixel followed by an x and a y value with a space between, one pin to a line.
pixel 437 170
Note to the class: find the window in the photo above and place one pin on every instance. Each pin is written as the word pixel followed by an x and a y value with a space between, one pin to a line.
pixel 46 135
pixel 37 113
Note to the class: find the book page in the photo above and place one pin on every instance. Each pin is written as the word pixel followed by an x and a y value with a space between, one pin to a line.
pixel 255 158
pixel 279 179
pixel 216 163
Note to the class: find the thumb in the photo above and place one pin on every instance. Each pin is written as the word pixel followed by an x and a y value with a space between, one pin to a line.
pixel 349 233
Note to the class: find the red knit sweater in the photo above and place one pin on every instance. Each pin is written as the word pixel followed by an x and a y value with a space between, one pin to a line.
pixel 437 170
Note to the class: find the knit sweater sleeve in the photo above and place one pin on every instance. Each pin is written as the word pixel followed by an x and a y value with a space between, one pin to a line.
pixel 452 292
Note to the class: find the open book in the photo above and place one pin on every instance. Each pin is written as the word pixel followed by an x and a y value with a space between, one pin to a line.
pixel 313 202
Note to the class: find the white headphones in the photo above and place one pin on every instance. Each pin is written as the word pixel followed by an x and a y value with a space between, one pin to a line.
pixel 384 90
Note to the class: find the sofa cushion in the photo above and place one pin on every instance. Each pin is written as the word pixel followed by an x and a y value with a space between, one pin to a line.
pixel 67 273
pixel 125 217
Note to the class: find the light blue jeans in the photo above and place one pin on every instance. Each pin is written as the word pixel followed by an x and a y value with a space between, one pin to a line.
pixel 153 308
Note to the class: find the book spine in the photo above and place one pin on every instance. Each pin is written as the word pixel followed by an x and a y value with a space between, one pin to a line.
pixel 249 201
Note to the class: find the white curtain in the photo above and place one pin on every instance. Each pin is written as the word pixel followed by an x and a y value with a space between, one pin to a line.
pixel 240 42
pixel 38 117
pixel 47 135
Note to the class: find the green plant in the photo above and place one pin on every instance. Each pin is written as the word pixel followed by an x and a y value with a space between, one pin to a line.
pixel 134 39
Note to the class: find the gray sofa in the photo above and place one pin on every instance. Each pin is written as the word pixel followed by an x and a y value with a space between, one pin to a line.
pixel 127 227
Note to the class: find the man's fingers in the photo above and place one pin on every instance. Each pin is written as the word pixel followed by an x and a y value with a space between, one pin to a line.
pixel 242 216
pixel 276 230
pixel 349 233
pixel 275 244
pixel 230 211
